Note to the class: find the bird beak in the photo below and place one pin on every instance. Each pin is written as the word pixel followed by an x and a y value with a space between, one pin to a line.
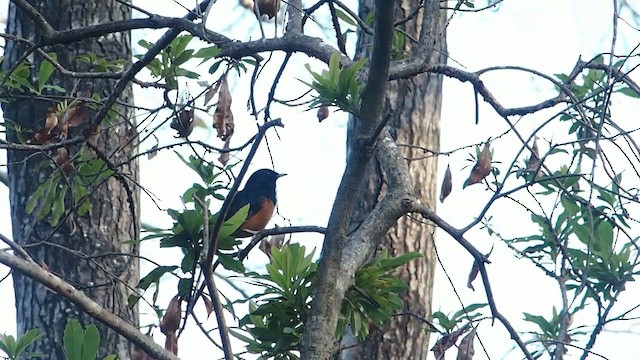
pixel 280 175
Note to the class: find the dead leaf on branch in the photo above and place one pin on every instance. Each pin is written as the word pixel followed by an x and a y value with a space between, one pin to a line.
pixel 223 117
pixel 268 7
pixel 447 341
pixel 63 161
pixel 323 113
pixel 171 319
pixel 171 343
pixel 183 123
pixel 465 349
pixel 534 160
pixel 482 168
pixel 224 156
pixel 445 189
pixel 207 304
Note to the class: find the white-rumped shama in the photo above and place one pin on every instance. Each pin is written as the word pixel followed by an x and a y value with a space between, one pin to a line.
pixel 260 193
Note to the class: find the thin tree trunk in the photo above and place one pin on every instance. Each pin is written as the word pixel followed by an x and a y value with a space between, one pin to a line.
pixel 416 118
pixel 110 222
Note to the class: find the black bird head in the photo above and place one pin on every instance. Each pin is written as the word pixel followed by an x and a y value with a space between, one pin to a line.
pixel 263 181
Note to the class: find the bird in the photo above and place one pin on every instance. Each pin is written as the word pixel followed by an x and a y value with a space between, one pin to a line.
pixel 260 193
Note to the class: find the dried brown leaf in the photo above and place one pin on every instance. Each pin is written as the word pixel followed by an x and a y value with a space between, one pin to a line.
pixel 42 137
pixel 207 304
pixel 51 121
pixel 224 156
pixel 323 113
pixel 63 161
pixel 445 189
pixel 171 319
pixel 76 115
pixel 465 349
pixel 171 343
pixel 473 274
pixel 534 159
pixel 153 152
pixel 183 123
pixel 223 117
pixel 247 4
pixel 268 7
pixel 446 342
pixel 482 168
pixel 138 354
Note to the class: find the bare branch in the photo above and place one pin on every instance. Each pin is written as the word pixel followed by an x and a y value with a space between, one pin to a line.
pixel 86 305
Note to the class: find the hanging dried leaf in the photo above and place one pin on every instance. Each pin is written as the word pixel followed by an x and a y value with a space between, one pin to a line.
pixel 171 343
pixel 42 137
pixel 268 7
pixel 534 159
pixel 209 95
pixel 445 189
pixel 482 168
pixel 323 113
pixel 51 121
pixel 223 117
pixel 207 304
pixel 447 341
pixel 247 4
pixel 224 156
pixel 138 354
pixel 265 247
pixel 152 152
pixel 473 274
pixel 171 319
pixel 274 241
pixel 76 115
pixel 183 123
pixel 465 349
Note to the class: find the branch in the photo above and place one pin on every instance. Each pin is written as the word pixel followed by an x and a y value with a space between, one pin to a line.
pixel 86 305
pixel 4 178
pixel 35 15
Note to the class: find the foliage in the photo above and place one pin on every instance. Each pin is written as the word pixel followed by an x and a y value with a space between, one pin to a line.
pixel 337 86
pixel 16 348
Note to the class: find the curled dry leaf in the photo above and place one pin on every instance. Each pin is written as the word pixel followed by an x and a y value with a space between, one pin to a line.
pixel 482 168
pixel 223 117
pixel 247 4
pixel 274 241
pixel 465 349
pixel 63 161
pixel 153 152
pixel 473 274
pixel 138 354
pixel 446 342
pixel 171 343
pixel 51 122
pixel 76 115
pixel 171 319
pixel 183 123
pixel 323 113
pixel 207 304
pixel 268 7
pixel 445 189
pixel 534 159
pixel 224 156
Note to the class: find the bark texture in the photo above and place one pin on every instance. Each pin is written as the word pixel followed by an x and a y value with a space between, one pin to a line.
pixel 66 250
pixel 416 103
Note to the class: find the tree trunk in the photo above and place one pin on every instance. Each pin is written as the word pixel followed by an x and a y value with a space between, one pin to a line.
pixel 416 103
pixel 111 222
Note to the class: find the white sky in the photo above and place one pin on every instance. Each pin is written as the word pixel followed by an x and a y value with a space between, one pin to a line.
pixel 547 35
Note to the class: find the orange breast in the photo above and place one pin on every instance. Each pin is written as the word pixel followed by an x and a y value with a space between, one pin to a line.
pixel 257 221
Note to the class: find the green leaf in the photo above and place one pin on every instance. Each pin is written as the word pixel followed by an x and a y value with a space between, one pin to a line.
pixel 154 276
pixel 25 340
pixel 207 53
pixel 57 210
pixel 230 263
pixel 110 357
pixel 45 71
pixel 345 17
pixel 234 222
pixel 629 92
pixel 90 343
pixel 8 344
pixel 73 338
